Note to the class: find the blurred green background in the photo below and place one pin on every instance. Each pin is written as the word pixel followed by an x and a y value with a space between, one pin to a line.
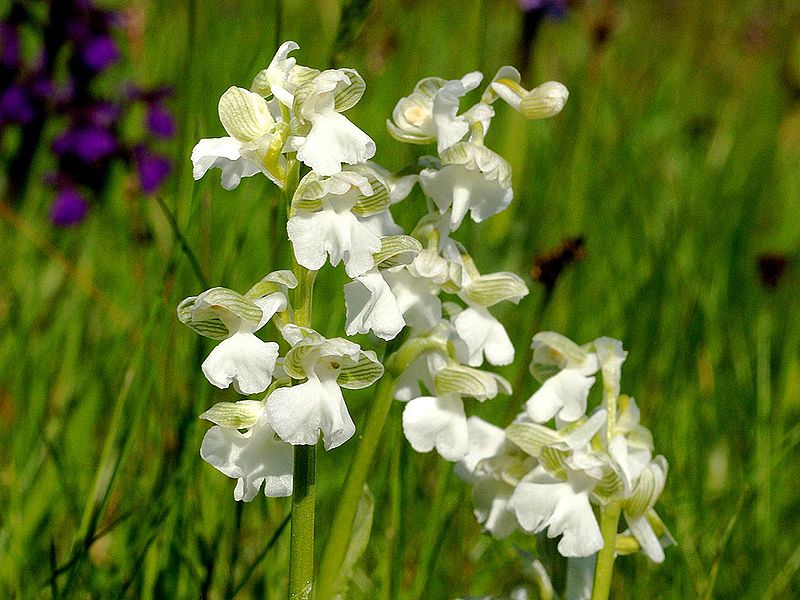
pixel 677 158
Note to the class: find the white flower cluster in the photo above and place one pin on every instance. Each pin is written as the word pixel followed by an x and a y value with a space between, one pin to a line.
pixel 340 212
pixel 542 478
pixel 448 340
pixel 289 414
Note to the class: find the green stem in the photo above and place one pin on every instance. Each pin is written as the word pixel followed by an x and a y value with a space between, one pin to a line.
pixel 342 525
pixel 301 546
pixel 604 569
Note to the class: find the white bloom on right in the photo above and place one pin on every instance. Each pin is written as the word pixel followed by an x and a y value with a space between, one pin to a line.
pixel 471 178
pixel 567 370
pixel 430 113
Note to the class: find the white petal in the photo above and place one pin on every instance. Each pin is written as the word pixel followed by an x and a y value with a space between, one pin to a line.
pixel 223 153
pixel 254 457
pixel 338 234
pixel 575 519
pixel 243 360
pixel 512 98
pixel 491 500
pixel 557 507
pixel 450 128
pixel 482 333
pixel 334 140
pixel 417 297
pixel 371 306
pixel 270 305
pixel 564 394
pixel 430 422
pixel 646 537
pixel 381 224
pixel 300 412
pixel 464 189
pixel 485 440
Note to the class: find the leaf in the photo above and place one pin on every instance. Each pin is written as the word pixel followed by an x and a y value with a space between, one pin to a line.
pixel 362 528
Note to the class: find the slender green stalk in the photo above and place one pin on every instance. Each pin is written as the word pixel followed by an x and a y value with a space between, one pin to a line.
pixel 342 525
pixel 301 546
pixel 604 569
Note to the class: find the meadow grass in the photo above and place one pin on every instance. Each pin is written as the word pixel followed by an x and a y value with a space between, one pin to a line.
pixel 676 158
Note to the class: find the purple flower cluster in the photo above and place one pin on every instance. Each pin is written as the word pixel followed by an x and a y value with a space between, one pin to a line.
pixel 555 9
pixel 58 83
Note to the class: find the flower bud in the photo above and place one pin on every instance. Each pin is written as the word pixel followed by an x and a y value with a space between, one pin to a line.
pixel 544 101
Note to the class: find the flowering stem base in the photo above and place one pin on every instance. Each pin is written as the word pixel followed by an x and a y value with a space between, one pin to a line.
pixel 604 569
pixel 301 549
pixel 341 527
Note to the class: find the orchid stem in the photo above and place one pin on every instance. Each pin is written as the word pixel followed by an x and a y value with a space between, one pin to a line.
pixel 604 569
pixel 301 546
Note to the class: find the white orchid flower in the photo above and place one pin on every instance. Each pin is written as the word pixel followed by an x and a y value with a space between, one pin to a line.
pixel 283 76
pixel 241 358
pixel 567 371
pixel 255 142
pixel 439 421
pixel 481 334
pixel 328 215
pixel 472 178
pixel 430 113
pixel 253 457
pixel 371 306
pixel 332 139
pixel 299 413
pixel 543 502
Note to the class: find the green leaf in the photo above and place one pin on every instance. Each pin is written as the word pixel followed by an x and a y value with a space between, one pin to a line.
pixel 362 529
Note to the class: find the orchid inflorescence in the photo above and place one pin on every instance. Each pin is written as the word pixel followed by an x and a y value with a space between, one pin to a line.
pixel 526 476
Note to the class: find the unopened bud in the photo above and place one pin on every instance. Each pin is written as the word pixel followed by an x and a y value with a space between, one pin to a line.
pixel 544 101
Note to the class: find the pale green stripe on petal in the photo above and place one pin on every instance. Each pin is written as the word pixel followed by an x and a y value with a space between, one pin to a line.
pixel 362 374
pixel 222 298
pixel 277 281
pixel 394 246
pixel 234 415
pixel 491 289
pixel 532 437
pixel 349 95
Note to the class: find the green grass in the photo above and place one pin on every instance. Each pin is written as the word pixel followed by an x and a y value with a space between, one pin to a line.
pixel 676 158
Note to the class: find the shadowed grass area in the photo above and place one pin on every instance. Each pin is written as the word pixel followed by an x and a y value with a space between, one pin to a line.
pixel 675 158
